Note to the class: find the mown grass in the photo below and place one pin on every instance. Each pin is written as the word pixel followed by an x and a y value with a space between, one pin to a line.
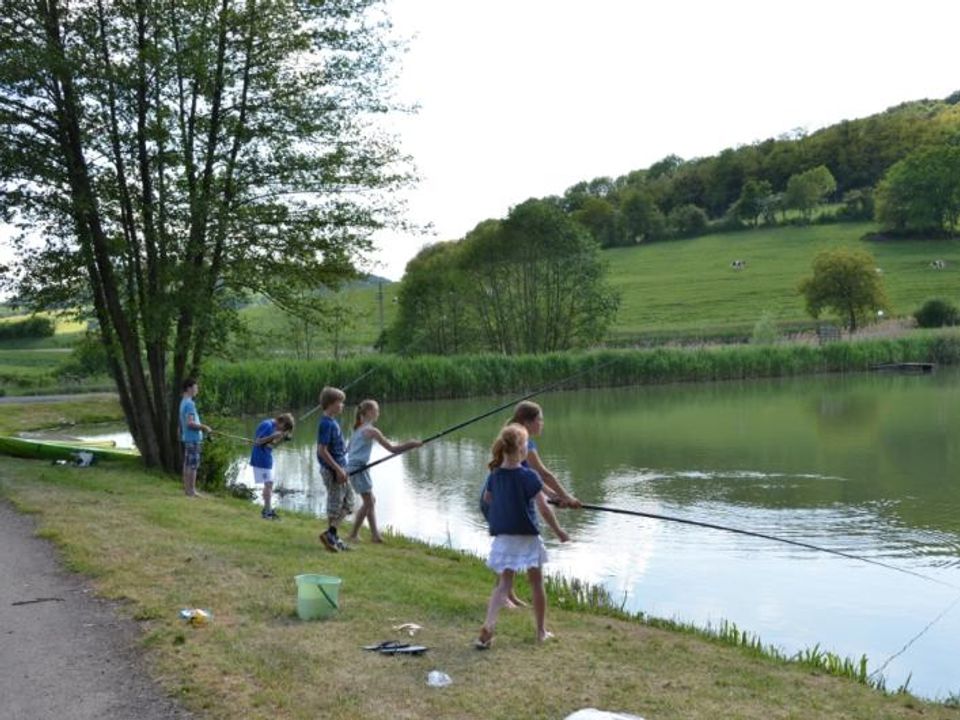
pixel 143 542
pixel 262 385
pixel 16 416
pixel 689 286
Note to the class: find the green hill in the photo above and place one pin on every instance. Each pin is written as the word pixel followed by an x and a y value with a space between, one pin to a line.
pixel 689 287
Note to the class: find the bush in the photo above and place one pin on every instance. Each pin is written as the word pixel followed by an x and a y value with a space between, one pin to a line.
pixel 34 327
pixel 765 332
pixel 937 313
pixel 88 358
pixel 218 465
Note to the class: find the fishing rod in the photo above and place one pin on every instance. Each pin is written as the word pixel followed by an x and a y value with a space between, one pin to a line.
pixel 346 387
pixel 764 536
pixel 232 437
pixel 487 414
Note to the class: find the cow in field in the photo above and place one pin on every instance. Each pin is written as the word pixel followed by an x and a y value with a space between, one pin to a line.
pixel 938 264
pixel 738 264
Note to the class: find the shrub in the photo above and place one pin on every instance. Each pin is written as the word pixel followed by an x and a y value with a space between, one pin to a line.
pixel 218 465
pixel 937 313
pixel 34 327
pixel 765 332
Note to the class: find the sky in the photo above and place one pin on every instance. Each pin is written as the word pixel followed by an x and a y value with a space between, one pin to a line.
pixel 524 98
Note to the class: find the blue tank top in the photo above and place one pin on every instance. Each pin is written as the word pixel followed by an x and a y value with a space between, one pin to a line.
pixel 359 447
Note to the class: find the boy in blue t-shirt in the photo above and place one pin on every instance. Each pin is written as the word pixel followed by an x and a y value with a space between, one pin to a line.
pixel 331 452
pixel 270 432
pixel 191 435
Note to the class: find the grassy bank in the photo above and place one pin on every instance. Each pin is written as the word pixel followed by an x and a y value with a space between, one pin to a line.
pixel 260 386
pixel 144 543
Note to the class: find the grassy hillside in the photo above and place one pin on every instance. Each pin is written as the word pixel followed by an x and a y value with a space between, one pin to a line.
pixel 688 285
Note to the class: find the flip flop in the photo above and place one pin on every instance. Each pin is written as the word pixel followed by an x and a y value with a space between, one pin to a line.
pixel 404 650
pixel 386 645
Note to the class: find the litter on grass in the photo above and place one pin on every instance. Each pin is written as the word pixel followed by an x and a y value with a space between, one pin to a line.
pixel 196 616
pixel 410 628
pixel 438 679
pixel 594 714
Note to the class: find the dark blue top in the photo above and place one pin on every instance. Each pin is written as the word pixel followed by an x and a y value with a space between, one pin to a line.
pixel 330 436
pixel 511 507
pixel 262 455
pixel 484 508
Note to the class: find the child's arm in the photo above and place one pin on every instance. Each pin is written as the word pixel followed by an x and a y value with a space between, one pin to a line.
pixel 194 425
pixel 546 512
pixel 389 446
pixel 327 458
pixel 278 435
pixel 553 486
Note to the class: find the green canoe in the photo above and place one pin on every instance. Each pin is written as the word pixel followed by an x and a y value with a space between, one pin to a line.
pixel 60 450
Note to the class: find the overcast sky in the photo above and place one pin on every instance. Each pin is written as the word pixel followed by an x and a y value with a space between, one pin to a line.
pixel 523 98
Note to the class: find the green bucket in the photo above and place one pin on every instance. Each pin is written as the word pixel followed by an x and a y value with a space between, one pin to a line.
pixel 317 596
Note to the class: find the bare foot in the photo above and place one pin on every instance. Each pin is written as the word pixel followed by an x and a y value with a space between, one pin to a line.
pixel 484 639
pixel 353 538
pixel 377 539
pixel 545 635
pixel 516 602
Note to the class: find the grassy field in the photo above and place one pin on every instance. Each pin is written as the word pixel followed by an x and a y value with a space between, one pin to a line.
pixel 688 285
pixel 141 541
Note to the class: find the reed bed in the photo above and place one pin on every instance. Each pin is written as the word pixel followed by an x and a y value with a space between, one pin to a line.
pixel 256 386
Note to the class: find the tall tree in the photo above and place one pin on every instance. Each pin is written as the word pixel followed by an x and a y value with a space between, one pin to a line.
pixel 172 152
pixel 921 193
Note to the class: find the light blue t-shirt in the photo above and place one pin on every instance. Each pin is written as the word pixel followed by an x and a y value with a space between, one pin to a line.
pixel 359 447
pixel 188 434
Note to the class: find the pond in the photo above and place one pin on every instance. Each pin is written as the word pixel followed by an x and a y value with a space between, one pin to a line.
pixel 864 464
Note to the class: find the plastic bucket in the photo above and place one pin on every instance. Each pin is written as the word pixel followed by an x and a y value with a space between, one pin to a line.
pixel 317 596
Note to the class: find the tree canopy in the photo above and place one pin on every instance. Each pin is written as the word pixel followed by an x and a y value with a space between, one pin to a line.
pixel 172 154
pixel 846 282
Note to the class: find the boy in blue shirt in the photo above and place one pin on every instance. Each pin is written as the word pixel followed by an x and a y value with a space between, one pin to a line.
pixel 331 452
pixel 191 435
pixel 269 433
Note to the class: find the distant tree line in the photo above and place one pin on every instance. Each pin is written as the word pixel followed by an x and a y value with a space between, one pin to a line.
pixel 844 163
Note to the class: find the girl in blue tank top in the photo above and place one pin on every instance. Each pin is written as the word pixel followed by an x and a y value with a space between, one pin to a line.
pixel 358 456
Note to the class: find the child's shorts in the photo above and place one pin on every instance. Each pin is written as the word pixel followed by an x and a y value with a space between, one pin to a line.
pixel 262 476
pixel 361 481
pixel 516 552
pixel 340 497
pixel 191 455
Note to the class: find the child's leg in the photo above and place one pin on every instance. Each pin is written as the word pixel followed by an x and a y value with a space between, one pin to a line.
pixel 267 496
pixel 498 599
pixel 358 519
pixel 535 576
pixel 370 501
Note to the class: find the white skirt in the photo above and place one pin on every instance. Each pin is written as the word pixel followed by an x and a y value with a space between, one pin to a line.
pixel 516 552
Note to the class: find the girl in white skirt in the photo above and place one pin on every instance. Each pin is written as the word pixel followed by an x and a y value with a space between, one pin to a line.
pixel 511 491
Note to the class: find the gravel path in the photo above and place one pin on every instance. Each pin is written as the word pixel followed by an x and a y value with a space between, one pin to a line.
pixel 64 653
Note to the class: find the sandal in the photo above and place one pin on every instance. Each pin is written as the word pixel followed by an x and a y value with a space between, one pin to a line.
pixel 386 645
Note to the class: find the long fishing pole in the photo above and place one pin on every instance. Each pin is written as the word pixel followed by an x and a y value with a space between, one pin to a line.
pixel 751 533
pixel 487 414
pixel 346 387
pixel 232 437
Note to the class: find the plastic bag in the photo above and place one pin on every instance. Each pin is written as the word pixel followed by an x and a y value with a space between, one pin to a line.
pixel 438 679
pixel 594 714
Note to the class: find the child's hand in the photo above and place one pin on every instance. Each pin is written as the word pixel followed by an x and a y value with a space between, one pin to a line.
pixel 415 444
pixel 569 501
pixel 341 475
pixel 562 536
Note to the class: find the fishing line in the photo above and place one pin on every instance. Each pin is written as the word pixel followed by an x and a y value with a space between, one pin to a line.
pixel 764 536
pixel 487 414
pixel 916 637
pixel 232 437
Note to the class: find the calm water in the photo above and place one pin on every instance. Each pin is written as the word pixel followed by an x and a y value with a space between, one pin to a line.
pixel 865 464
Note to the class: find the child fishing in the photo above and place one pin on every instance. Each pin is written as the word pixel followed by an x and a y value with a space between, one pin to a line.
pixel 331 454
pixel 511 491
pixel 358 455
pixel 530 416
pixel 269 433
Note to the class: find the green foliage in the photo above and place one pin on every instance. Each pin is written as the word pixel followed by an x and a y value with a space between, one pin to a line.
pixel 175 155
pixel 218 465
pixel 87 358
pixel 530 283
pixel 231 388
pixel 937 313
pixel 922 191
pixel 687 221
pixel 753 200
pixel 765 332
pixel 807 189
pixel 34 327
pixel 641 218
pixel 847 282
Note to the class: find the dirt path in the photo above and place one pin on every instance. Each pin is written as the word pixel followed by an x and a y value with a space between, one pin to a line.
pixel 64 653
